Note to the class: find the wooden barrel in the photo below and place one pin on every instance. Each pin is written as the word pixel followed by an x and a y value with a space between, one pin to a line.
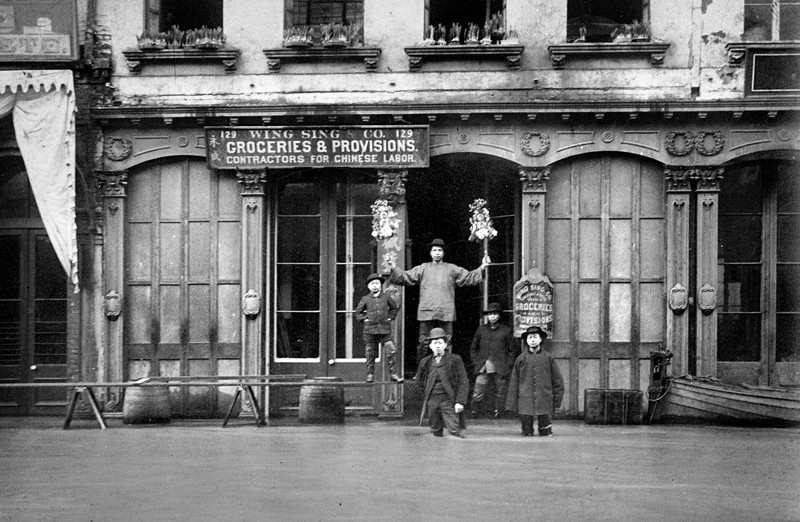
pixel 321 402
pixel 146 404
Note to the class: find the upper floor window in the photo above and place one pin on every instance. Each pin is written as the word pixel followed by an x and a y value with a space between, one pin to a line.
pixel 603 20
pixel 162 15
pixel 464 20
pixel 771 20
pixel 324 21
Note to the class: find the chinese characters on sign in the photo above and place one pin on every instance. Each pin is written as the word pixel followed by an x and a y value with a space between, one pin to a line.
pixel 533 303
pixel 293 147
pixel 38 30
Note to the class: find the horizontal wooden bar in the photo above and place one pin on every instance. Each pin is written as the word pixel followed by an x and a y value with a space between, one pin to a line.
pixel 68 385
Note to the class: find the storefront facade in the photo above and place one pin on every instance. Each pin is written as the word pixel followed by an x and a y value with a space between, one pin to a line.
pixel 660 201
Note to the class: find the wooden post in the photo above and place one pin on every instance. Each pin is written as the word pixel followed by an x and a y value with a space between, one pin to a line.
pixel 534 189
pixel 677 276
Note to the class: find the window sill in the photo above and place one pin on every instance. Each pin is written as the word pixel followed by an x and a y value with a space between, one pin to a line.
pixel 511 53
pixel 655 50
pixel 737 51
pixel 228 57
pixel 276 56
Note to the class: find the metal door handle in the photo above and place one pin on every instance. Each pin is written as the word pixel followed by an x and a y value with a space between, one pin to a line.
pixel 33 368
pixel 331 362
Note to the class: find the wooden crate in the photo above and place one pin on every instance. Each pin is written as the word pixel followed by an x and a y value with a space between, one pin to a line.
pixel 603 406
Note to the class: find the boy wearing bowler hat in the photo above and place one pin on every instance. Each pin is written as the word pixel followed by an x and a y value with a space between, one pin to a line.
pixel 437 282
pixel 446 386
pixel 492 355
pixel 536 387
pixel 376 311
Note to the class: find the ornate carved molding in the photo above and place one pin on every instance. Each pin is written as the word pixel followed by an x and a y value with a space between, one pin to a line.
pixel 679 143
pixel 252 181
pixel 228 57
pixel 251 304
pixel 534 179
pixel 416 54
pixel 541 149
pixel 678 179
pixel 707 300
pixel 708 178
pixel 392 185
pixel 700 143
pixel 112 184
pixel 655 50
pixel 113 305
pixel 678 299
pixel 276 56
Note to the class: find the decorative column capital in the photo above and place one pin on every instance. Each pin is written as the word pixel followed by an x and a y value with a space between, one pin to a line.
pixel 708 178
pixel 112 183
pixel 534 179
pixel 252 181
pixel 678 178
pixel 392 185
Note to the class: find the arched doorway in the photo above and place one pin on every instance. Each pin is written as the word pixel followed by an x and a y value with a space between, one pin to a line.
pixel 438 202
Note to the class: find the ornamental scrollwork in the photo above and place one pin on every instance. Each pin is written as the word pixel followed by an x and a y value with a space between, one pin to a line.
pixel 541 150
pixel 252 181
pixel 678 299
pixel 117 149
pixel 700 143
pixel 112 184
pixel 534 179
pixel 708 178
pixel 392 185
pixel 678 179
pixel 671 143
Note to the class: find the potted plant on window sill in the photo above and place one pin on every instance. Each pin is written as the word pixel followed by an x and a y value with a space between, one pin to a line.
pixel 640 31
pixel 298 36
pixel 209 39
pixel 154 41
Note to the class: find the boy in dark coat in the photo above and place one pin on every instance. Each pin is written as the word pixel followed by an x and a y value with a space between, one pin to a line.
pixel 492 356
pixel 446 386
pixel 536 387
pixel 377 310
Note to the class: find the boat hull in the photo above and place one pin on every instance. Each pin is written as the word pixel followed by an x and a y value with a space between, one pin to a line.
pixel 698 400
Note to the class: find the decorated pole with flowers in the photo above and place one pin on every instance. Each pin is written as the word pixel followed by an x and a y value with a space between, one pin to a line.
pixel 385 225
pixel 481 230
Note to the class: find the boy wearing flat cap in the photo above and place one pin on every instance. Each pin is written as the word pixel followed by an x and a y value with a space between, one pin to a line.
pixel 446 386
pixel 376 311
pixel 536 387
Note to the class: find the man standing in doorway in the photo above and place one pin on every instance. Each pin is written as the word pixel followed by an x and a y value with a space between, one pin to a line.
pixel 437 282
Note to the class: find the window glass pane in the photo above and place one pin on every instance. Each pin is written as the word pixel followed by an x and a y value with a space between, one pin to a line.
pixel 741 191
pixel 298 240
pixel 790 20
pixel 358 288
pixel 788 288
pixel 757 20
pixel 742 288
pixel 362 196
pixel 789 238
pixel 298 287
pixel 14 190
pixel 299 199
pixel 600 17
pixel 448 12
pixel 9 267
pixel 317 13
pixel 740 239
pixel 360 236
pixel 788 338
pixel 298 335
pixel 788 189
pixel 51 280
pixel 739 337
pixel 190 14
pixel 501 284
pixel 347 326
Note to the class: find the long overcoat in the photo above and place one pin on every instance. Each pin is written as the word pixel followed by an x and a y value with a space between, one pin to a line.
pixel 456 380
pixel 495 343
pixel 536 386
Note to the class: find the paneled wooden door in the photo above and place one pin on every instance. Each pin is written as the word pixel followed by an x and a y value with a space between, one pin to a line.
pixel 605 255
pixel 323 253
pixel 182 308
pixel 33 302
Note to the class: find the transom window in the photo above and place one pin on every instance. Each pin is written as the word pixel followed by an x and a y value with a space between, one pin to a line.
pixel 771 20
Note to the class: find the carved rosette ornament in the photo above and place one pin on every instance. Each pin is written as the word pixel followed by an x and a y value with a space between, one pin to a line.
pixel 112 184
pixel 252 181
pixel 700 143
pixel 535 143
pixel 679 143
pixel 708 178
pixel 534 179
pixel 392 185
pixel 117 149
pixel 678 299
pixel 678 179
pixel 113 305
pixel 251 304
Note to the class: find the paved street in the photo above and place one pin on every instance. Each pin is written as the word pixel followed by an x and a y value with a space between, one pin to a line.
pixel 384 470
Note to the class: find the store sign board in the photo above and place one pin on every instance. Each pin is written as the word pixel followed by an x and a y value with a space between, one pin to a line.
pixel 38 30
pixel 533 303
pixel 294 147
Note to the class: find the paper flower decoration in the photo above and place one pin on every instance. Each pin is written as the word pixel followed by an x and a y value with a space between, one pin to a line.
pixel 480 223
pixel 384 220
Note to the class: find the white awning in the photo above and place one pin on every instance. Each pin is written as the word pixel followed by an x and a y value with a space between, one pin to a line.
pixel 43 108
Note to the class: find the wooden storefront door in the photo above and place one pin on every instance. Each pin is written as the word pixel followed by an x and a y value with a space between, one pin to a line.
pixel 182 305
pixel 605 254
pixel 323 254
pixel 33 303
